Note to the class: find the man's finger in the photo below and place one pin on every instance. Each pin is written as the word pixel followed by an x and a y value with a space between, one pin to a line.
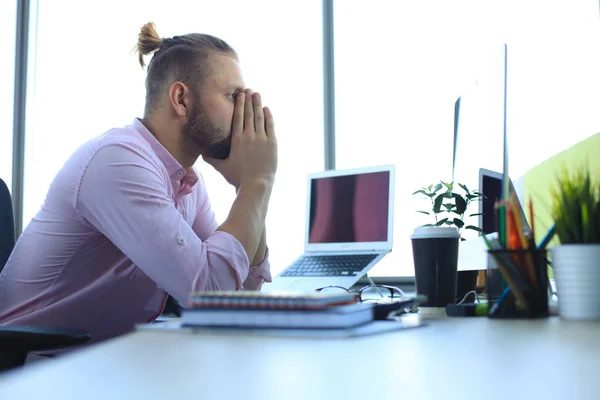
pixel 237 124
pixel 269 122
pixel 259 118
pixel 249 113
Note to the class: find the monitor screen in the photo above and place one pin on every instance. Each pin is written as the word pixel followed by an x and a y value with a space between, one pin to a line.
pixel 349 208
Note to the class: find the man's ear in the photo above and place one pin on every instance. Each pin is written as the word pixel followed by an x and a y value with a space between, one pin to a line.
pixel 180 99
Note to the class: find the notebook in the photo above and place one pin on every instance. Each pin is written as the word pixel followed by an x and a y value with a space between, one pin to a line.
pixel 371 328
pixel 335 317
pixel 348 229
pixel 275 300
pixel 276 310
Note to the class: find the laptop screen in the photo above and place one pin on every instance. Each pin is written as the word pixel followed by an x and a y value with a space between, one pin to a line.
pixel 491 188
pixel 349 208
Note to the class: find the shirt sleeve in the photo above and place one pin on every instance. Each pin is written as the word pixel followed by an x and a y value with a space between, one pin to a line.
pixel 206 224
pixel 258 274
pixel 124 196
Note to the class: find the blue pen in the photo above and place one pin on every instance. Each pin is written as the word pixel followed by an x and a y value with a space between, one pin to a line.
pixel 547 238
pixel 498 303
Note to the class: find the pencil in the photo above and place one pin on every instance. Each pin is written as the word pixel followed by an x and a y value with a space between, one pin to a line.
pixel 519 226
pixel 496 218
pixel 487 242
pixel 512 236
pixel 502 220
pixel 517 241
pixel 532 224
pixel 518 287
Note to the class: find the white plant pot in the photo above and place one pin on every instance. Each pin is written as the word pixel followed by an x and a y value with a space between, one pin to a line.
pixel 577 273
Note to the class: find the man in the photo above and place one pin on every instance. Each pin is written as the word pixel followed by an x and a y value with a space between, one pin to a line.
pixel 127 220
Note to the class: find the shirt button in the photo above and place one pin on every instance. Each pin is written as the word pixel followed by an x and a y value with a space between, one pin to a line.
pixel 180 241
pixel 180 173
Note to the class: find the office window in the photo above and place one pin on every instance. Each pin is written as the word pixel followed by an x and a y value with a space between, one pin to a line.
pixel 400 66
pixel 8 14
pixel 397 78
pixel 554 84
pixel 88 80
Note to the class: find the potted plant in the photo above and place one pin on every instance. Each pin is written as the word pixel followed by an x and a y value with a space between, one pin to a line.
pixel 448 207
pixel 576 261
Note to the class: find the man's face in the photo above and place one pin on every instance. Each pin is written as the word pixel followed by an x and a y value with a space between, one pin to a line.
pixel 209 124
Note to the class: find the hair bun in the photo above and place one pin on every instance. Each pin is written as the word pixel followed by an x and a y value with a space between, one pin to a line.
pixel 148 41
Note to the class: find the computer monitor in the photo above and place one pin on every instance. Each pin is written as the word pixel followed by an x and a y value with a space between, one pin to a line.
pixel 479 127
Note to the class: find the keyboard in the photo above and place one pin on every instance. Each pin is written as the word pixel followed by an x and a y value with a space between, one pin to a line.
pixel 329 265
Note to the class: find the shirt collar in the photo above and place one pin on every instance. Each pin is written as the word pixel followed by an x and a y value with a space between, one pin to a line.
pixel 176 172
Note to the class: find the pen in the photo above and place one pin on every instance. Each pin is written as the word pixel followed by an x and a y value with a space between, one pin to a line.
pixel 500 300
pixel 547 238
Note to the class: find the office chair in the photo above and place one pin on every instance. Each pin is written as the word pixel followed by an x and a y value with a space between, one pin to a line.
pixel 17 341
pixel 7 225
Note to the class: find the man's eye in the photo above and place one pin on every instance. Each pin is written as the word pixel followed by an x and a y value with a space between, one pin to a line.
pixel 233 95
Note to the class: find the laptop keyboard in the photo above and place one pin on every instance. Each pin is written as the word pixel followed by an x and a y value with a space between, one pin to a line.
pixel 331 265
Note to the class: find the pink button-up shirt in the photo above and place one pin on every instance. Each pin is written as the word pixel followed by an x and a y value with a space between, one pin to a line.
pixel 123 224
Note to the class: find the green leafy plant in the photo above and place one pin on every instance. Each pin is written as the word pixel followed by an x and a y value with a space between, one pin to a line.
pixel 576 207
pixel 448 207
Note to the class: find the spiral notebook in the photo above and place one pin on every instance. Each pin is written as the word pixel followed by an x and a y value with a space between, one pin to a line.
pixel 276 310
pixel 273 300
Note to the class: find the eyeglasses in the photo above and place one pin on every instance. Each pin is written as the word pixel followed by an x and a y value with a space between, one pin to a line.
pixel 370 294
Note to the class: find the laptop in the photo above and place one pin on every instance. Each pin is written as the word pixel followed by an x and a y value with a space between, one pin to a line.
pixel 490 185
pixel 349 229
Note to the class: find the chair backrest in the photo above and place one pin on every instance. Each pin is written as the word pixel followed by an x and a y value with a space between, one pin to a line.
pixel 7 224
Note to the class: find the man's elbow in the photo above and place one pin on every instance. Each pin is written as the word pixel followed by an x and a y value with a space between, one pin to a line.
pixel 218 275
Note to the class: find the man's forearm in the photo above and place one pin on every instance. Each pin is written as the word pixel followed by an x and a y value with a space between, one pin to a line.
pixel 261 251
pixel 246 220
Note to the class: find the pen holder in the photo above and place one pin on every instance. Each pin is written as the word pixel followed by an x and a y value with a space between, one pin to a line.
pixel 517 284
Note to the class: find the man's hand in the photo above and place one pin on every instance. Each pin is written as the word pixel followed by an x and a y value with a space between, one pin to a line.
pixel 253 155
pixel 251 168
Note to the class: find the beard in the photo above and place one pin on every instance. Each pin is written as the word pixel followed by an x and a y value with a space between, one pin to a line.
pixel 213 141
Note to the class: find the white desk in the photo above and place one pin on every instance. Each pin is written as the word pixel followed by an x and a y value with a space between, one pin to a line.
pixel 467 358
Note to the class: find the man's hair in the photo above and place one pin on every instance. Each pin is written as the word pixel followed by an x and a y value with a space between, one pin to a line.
pixel 180 58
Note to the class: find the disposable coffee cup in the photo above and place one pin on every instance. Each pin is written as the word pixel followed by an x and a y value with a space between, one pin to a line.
pixel 435 255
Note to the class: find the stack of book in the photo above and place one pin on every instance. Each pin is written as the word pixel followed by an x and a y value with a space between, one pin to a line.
pixel 249 309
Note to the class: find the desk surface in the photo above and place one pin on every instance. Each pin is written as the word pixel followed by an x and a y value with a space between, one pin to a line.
pixel 454 358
